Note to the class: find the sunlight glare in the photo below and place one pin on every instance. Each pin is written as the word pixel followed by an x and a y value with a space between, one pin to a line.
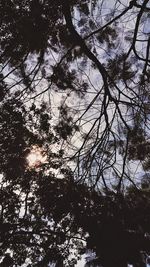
pixel 36 157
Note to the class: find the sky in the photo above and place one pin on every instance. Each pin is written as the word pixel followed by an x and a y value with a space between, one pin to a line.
pixel 81 263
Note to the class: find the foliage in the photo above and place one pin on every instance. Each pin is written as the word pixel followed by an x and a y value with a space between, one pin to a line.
pixel 74 84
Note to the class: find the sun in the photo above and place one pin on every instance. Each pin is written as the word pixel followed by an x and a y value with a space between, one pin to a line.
pixel 36 157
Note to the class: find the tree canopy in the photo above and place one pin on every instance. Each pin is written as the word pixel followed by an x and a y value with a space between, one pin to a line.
pixel 74 92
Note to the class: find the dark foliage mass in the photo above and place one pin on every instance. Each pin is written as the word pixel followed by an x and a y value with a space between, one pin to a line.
pixel 74 95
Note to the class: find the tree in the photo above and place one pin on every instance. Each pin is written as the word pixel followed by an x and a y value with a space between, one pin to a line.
pixel 67 48
pixel 36 225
